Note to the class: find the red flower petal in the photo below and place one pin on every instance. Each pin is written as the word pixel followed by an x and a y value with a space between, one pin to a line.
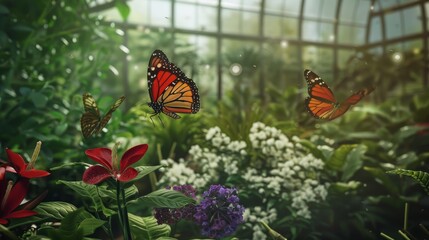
pixel 101 155
pixel 3 221
pixel 21 214
pixel 2 172
pixel 34 173
pixel 128 175
pixel 132 155
pixel 95 174
pixel 16 160
pixel 16 195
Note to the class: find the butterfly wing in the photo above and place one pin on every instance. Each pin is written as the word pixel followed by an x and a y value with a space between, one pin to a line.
pixel 108 115
pixel 170 87
pixel 352 100
pixel 321 103
pixel 90 119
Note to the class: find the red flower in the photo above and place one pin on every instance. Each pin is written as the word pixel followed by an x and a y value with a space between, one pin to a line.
pixel 10 198
pixel 109 167
pixel 21 167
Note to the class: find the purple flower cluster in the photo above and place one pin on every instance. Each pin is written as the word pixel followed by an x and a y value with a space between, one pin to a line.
pixel 219 212
pixel 173 215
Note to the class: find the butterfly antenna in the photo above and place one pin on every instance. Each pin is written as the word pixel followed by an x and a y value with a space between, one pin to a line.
pixel 152 120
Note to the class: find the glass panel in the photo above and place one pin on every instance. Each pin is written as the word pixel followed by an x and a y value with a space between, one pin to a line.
pixel 318 31
pixel 275 26
pixel 231 20
pixel 312 8
pixel 185 16
pixel 362 11
pixel 351 35
pixel 388 3
pixel 160 13
pixel 138 13
pixel 375 30
pixel 329 8
pixel 344 57
pixel 253 5
pixel 207 19
pixel 412 20
pixel 393 25
pixel 347 11
pixel 251 23
pixel 292 7
pixel 274 6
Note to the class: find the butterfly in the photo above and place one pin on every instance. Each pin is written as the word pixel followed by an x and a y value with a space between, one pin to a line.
pixel 170 91
pixel 322 103
pixel 91 121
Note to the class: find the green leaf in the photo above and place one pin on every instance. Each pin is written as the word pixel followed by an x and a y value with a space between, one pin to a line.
pixel 165 198
pixel 337 160
pixel 145 170
pixel 3 9
pixel 75 225
pixel 353 162
pixel 407 158
pixel 46 211
pixel 313 149
pixel 147 228
pixel 421 177
pixel 5 232
pixel 39 100
pixel 123 9
pixel 56 210
pixel 90 192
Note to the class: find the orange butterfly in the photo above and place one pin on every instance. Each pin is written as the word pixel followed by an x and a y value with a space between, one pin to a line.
pixel 170 91
pixel 322 103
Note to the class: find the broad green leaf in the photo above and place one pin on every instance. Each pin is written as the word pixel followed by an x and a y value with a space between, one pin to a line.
pixel 145 170
pixel 56 210
pixel 147 228
pixel 407 158
pixel 123 9
pixel 129 192
pixel 5 232
pixel 39 100
pixel 89 225
pixel 407 131
pixel 344 186
pixel 165 198
pixel 313 149
pixel 46 211
pixel 353 162
pixel 421 177
pixel 89 191
pixel 337 160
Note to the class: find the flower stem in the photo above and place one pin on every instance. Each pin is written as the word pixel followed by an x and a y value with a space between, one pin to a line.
pixel 125 212
pixel 120 212
pixel 35 155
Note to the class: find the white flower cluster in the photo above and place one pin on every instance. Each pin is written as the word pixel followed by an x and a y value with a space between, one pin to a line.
pixel 281 171
pixel 252 217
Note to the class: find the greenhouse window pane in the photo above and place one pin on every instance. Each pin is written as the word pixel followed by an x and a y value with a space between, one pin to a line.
pixel 253 5
pixel 351 35
pixel 250 23
pixel 375 30
pixel 388 3
pixel 231 21
pixel 292 7
pixel 274 6
pixel 319 60
pixel 138 12
pixel 195 17
pixel 362 11
pixel 328 8
pixel 312 8
pixel 412 20
pixel 160 13
pixel 185 16
pixel 348 11
pixel 275 26
pixel 393 25
pixel 318 31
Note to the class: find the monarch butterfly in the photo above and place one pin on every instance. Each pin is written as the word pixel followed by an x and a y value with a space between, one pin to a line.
pixel 91 121
pixel 322 103
pixel 170 91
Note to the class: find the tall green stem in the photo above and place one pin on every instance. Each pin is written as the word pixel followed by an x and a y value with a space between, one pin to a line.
pixel 125 212
pixel 120 211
